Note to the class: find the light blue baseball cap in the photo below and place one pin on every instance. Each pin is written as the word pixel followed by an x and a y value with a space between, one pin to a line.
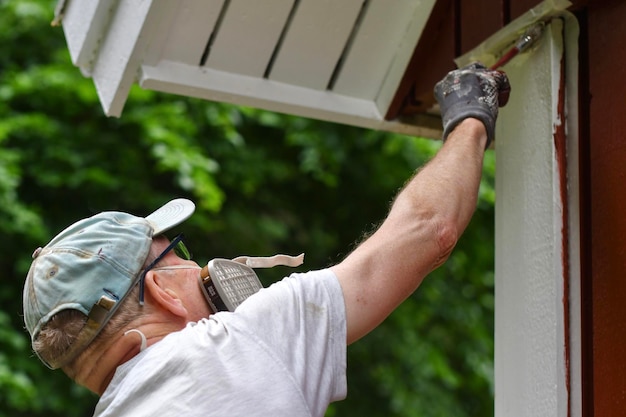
pixel 91 266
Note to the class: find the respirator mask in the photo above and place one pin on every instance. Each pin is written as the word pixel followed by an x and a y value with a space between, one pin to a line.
pixel 227 283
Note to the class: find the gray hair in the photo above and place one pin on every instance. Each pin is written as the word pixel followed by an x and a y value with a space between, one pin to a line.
pixel 63 328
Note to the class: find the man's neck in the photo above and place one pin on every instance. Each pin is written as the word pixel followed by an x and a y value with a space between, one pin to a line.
pixel 96 370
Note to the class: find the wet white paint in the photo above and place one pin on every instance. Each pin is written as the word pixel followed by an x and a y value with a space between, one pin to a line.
pixel 531 370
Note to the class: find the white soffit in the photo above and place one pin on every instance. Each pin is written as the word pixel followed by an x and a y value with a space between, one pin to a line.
pixel 337 60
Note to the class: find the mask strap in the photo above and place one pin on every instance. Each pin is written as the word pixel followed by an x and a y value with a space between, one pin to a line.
pixel 144 341
pixel 169 267
pixel 270 261
pixel 251 261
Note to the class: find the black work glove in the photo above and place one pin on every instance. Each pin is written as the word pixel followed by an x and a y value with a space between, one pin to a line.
pixel 472 91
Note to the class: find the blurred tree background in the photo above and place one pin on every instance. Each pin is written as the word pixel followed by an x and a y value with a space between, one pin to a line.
pixel 263 183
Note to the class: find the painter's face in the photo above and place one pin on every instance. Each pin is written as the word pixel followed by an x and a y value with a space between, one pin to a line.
pixel 183 276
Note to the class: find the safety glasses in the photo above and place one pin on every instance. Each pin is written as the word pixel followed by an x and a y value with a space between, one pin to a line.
pixel 178 246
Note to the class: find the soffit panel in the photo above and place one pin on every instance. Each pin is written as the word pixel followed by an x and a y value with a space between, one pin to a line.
pixel 344 57
pixel 190 30
pixel 314 41
pixel 247 36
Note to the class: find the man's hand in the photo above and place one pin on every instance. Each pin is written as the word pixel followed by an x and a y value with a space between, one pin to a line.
pixel 472 91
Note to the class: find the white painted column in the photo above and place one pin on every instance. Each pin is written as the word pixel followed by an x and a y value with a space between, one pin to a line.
pixel 532 340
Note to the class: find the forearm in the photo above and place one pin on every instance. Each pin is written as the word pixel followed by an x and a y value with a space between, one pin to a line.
pixel 430 213
pixel 424 223
pixel 445 190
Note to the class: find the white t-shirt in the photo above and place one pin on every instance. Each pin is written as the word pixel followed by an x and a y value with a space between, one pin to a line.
pixel 281 353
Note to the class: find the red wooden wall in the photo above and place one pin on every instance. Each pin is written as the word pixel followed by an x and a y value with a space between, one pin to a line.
pixel 603 159
pixel 454 27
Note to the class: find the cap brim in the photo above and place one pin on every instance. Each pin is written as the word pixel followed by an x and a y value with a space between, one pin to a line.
pixel 171 214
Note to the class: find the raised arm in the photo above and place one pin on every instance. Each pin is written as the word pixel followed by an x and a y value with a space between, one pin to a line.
pixel 432 210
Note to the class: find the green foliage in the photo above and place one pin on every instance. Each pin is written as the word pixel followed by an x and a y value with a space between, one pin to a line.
pixel 263 183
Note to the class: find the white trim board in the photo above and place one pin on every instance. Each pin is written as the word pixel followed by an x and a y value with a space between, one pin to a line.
pixel 536 348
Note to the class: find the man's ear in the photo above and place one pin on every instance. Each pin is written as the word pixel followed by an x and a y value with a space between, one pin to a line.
pixel 163 295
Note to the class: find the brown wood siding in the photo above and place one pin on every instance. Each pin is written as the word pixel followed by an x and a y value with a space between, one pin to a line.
pixel 480 19
pixel 433 56
pixel 453 28
pixel 606 178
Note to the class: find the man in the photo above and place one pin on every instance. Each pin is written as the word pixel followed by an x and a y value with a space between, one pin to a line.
pixel 111 302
